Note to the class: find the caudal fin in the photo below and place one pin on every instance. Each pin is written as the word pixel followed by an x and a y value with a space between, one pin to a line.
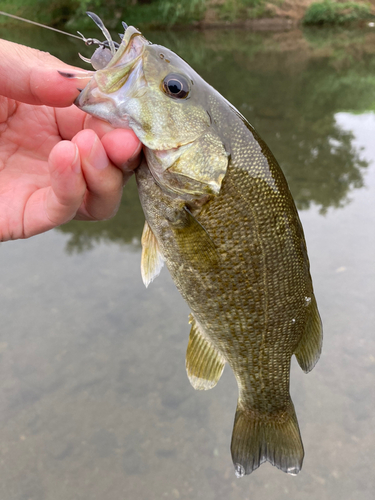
pixel 256 440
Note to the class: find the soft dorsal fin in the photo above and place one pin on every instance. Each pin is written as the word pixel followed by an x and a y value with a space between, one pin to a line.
pixel 152 261
pixel 204 363
pixel 310 346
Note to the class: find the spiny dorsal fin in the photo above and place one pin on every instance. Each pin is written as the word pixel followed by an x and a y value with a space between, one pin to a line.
pixel 204 363
pixel 310 345
pixel 152 261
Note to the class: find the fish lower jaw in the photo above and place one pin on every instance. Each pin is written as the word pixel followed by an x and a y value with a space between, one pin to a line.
pixel 102 111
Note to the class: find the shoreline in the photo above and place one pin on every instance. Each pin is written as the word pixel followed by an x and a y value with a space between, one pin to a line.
pixel 258 24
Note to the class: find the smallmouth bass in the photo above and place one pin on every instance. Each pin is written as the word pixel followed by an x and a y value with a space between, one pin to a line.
pixel 219 213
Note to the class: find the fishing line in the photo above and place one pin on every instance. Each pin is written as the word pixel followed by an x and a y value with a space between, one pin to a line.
pixel 38 24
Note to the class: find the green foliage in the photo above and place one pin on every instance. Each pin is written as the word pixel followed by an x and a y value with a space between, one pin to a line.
pixel 50 12
pixel 230 10
pixel 151 13
pixel 88 5
pixel 140 13
pixel 329 12
pixel 110 11
pixel 181 11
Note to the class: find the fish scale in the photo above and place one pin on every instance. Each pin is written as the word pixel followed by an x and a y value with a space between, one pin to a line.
pixel 220 214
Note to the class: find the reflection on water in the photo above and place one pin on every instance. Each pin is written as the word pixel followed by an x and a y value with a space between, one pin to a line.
pixel 94 399
pixel 288 85
pixel 126 227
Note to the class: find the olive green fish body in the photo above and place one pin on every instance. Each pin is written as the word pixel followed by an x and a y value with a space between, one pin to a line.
pixel 253 295
pixel 219 213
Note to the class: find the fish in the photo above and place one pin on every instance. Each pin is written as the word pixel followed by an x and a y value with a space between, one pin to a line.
pixel 220 216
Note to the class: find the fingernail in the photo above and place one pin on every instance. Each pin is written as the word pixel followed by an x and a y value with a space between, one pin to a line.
pixel 136 152
pixel 104 127
pixel 66 75
pixel 98 157
pixel 78 74
pixel 134 156
pixel 99 126
pixel 76 163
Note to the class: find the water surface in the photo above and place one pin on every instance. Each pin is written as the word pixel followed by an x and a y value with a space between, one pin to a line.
pixel 94 398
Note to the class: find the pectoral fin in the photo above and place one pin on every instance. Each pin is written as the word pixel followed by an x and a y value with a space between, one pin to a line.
pixel 310 345
pixel 195 243
pixel 152 260
pixel 204 363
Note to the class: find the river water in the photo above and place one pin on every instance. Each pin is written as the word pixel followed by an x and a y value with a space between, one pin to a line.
pixel 94 399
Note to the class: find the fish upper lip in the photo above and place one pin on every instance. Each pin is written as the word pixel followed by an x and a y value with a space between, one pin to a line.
pixel 114 76
pixel 129 50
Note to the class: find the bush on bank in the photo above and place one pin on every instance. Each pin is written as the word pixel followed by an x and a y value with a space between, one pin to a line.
pixel 329 12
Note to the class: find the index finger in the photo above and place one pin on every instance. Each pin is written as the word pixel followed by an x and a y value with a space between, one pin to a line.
pixel 30 76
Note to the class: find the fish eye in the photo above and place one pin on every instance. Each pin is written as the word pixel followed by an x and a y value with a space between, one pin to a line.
pixel 176 85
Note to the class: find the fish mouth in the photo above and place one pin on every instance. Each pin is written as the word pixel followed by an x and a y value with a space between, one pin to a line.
pixel 115 83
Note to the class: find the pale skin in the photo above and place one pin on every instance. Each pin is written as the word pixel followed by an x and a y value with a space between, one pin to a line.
pixel 56 162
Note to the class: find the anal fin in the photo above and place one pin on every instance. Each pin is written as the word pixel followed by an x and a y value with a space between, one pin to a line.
pixel 310 346
pixel 152 261
pixel 204 363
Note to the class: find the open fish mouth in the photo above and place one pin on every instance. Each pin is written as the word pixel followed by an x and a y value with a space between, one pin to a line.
pixel 123 72
pixel 115 73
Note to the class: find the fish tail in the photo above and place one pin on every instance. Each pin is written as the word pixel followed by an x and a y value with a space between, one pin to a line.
pixel 273 439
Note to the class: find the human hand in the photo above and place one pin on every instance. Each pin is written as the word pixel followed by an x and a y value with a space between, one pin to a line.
pixel 56 162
